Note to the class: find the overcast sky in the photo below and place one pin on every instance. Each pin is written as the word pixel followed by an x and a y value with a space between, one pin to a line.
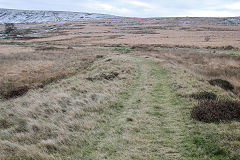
pixel 134 8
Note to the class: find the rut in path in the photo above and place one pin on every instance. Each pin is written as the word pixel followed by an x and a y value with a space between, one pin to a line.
pixel 149 123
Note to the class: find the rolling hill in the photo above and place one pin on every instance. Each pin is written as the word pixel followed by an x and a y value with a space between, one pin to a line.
pixel 30 16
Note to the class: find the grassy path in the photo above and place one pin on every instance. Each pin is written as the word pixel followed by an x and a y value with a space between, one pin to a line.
pixel 150 122
pixel 149 125
pixel 135 116
pixel 146 123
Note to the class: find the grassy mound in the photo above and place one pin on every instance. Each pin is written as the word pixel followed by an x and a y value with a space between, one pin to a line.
pixel 216 111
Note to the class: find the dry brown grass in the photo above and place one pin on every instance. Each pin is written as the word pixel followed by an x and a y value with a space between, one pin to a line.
pixel 44 123
pixel 168 32
pixel 47 123
pixel 203 63
pixel 211 139
pixel 51 52
pixel 41 65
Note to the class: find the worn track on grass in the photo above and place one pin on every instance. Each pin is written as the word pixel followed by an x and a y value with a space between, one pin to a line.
pixel 147 125
pixel 135 115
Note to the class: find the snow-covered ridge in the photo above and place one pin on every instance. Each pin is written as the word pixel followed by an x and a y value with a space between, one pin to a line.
pixel 28 16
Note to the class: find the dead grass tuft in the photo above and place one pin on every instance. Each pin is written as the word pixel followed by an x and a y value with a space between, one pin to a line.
pixel 206 38
pixel 99 56
pixel 4 123
pixel 69 47
pixel 107 76
pixel 22 126
pixel 50 146
pixel 229 47
pixel 47 48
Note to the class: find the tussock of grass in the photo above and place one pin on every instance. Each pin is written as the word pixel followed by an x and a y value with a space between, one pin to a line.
pixel 47 48
pixel 99 56
pixel 5 123
pixel 123 50
pixel 107 76
pixel 116 106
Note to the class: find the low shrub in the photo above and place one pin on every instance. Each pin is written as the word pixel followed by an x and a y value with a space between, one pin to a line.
pixel 10 28
pixel 206 38
pixel 222 83
pixel 16 92
pixel 204 95
pixel 47 48
pixel 216 111
pixel 229 47
pixel 99 56
pixel 109 76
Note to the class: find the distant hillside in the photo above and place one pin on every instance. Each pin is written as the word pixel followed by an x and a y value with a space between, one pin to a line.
pixel 27 16
pixel 221 21
pixel 31 16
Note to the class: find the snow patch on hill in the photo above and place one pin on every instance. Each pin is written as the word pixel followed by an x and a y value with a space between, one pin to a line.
pixel 25 16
